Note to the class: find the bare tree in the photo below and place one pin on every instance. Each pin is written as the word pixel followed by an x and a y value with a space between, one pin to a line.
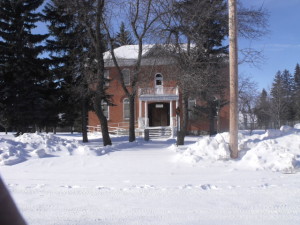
pixel 202 26
pixel 90 14
pixel 247 99
pixel 252 25
pixel 143 14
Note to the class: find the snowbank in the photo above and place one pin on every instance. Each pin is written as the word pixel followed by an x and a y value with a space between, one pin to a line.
pixel 276 150
pixel 207 148
pixel 38 145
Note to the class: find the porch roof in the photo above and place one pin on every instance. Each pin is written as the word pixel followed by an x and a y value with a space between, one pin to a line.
pixel 158 97
pixel 158 94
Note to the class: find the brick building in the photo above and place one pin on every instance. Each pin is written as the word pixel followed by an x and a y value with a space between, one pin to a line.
pixel 158 96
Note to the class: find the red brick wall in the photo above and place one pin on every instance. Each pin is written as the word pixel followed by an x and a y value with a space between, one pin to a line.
pixel 148 78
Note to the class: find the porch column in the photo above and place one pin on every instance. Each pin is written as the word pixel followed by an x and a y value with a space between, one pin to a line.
pixel 146 114
pixel 140 109
pixel 177 118
pixel 171 113
pixel 140 119
pixel 171 119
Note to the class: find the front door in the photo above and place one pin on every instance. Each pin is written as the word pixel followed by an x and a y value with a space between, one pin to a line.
pixel 159 114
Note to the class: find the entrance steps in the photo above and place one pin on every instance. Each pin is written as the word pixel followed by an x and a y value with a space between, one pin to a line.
pixel 159 132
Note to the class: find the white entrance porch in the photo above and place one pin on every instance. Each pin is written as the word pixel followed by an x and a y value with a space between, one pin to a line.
pixel 157 108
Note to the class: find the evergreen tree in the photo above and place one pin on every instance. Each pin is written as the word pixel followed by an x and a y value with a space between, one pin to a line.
pixel 289 87
pixel 262 110
pixel 24 82
pixel 78 48
pixel 296 97
pixel 123 37
pixel 69 54
pixel 280 97
pixel 297 75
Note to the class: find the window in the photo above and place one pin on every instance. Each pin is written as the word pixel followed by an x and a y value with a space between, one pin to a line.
pixel 106 77
pixel 126 111
pixel 158 80
pixel 126 76
pixel 191 105
pixel 105 109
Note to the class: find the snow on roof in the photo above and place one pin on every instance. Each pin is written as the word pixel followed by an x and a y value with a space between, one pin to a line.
pixel 127 52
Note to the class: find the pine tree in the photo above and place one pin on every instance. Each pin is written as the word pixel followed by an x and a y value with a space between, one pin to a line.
pixel 289 87
pixel 296 97
pixel 297 75
pixel 24 79
pixel 81 43
pixel 123 37
pixel 281 98
pixel 262 110
pixel 69 52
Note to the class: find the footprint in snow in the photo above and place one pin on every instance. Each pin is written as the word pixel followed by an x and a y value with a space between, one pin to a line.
pixel 69 186
pixel 207 187
pixel 187 186
pixel 104 188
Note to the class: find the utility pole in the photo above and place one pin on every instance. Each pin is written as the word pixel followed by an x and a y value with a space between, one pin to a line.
pixel 233 73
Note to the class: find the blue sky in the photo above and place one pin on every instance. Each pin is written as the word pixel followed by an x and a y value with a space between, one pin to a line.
pixel 281 47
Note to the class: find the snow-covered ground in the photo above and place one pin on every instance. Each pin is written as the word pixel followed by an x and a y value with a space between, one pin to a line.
pixel 56 179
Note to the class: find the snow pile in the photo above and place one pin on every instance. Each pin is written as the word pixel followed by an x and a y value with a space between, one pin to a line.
pixel 276 150
pixel 11 152
pixel 38 145
pixel 207 148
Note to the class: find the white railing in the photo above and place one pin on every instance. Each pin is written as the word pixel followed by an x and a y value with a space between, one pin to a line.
pixel 123 127
pixel 93 129
pixel 159 91
pixel 115 128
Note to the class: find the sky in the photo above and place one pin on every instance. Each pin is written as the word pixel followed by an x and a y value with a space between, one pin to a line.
pixel 281 46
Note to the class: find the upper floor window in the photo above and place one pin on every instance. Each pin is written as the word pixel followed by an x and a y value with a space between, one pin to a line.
pixel 126 76
pixel 106 77
pixel 158 80
pixel 105 109
pixel 126 111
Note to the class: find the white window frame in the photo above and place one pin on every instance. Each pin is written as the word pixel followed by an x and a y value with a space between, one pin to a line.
pixel 126 72
pixel 106 76
pixel 156 78
pixel 126 102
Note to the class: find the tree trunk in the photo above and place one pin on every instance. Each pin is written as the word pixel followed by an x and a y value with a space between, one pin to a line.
pixel 103 121
pixel 131 118
pixel 212 120
pixel 184 122
pixel 84 116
